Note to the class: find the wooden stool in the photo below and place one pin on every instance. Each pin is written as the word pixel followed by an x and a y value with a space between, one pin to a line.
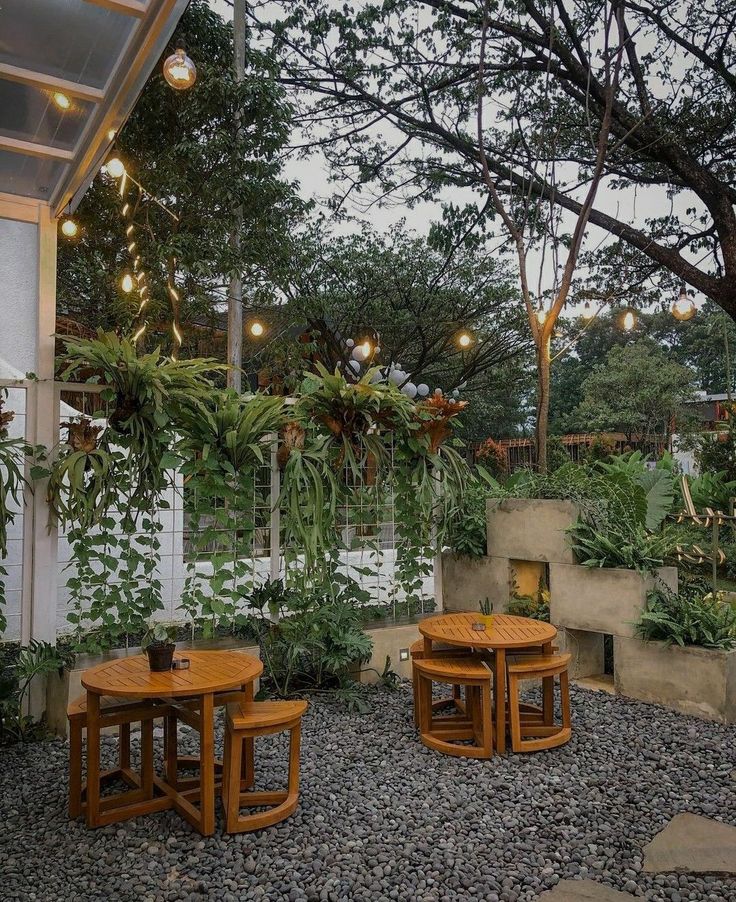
pixel 244 723
pixel 475 722
pixel 525 721
pixel 120 714
pixel 447 651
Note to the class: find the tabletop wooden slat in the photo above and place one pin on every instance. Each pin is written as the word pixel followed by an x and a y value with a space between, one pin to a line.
pixel 209 671
pixel 507 631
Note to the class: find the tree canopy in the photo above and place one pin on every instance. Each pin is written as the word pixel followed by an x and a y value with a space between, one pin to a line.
pixel 388 91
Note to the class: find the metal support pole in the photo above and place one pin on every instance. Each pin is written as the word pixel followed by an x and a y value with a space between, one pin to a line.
pixel 235 293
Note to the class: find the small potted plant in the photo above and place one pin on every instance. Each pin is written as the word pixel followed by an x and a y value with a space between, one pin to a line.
pixel 486 612
pixel 159 645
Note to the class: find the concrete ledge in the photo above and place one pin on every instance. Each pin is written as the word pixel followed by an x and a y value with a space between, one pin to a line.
pixel 60 690
pixel 468 580
pixel 692 680
pixel 604 600
pixel 531 529
pixel 588 658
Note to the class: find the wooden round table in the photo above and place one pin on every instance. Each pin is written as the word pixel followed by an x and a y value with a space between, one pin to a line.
pixel 229 675
pixel 508 632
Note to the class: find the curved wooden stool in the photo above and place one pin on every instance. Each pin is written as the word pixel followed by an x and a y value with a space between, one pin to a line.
pixel 475 722
pixel 244 723
pixel 113 713
pixel 448 651
pixel 525 720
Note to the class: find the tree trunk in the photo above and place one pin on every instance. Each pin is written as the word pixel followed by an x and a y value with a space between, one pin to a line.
pixel 543 377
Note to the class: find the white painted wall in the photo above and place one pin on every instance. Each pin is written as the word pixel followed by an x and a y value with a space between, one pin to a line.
pixel 18 297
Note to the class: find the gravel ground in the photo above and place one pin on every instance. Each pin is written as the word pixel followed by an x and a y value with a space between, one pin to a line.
pixel 381 817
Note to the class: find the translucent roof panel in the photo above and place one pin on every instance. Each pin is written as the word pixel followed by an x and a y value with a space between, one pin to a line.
pixel 30 114
pixel 70 39
pixel 29 176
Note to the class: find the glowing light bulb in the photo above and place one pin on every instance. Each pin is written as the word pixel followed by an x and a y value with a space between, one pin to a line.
pixel 629 320
pixel 62 101
pixel 366 348
pixel 126 283
pixel 464 340
pixel 111 135
pixel 256 329
pixel 683 308
pixel 69 228
pixel 179 71
pixel 115 167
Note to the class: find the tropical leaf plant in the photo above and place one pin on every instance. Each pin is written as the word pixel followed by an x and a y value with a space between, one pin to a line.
pixel 688 617
pixel 625 547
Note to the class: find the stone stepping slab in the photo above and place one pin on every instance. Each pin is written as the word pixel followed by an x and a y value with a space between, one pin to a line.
pixel 583 891
pixel 692 844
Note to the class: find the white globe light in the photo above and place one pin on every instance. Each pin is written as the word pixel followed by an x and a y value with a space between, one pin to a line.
pixel 350 343
pixel 410 390
pixel 438 391
pixel 422 389
pixel 69 228
pixel 456 393
pixel 115 167
pixel 359 353
pixel 179 71
pixel 397 376
pixel 354 366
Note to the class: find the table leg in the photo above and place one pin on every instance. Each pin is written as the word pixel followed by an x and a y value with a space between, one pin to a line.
pixel 247 774
pixel 548 691
pixel 93 759
pixel 147 758
pixel 207 765
pixel 499 687
pixel 427 647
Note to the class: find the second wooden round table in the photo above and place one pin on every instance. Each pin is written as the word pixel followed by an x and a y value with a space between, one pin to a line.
pixel 508 632
pixel 210 673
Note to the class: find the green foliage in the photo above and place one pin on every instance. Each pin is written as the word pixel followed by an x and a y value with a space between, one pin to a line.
pixel 308 642
pixel 637 389
pixel 557 455
pixel 159 633
pixel 17 672
pixel 689 617
pixel 466 534
pixel 714 490
pixel 535 606
pixel 630 549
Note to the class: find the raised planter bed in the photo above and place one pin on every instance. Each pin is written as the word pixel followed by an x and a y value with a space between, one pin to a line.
pixel 605 600
pixel 692 680
pixel 531 529
pixel 467 580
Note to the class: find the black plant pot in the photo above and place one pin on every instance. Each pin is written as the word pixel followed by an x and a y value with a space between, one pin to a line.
pixel 160 657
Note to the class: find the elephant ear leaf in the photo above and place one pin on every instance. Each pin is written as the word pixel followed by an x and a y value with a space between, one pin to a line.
pixel 659 487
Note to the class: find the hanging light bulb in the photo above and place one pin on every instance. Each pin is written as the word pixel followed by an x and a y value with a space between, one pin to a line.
pixel 256 329
pixel 179 71
pixel 126 283
pixel 69 227
pixel 628 320
pixel 115 167
pixel 588 312
pixel 366 348
pixel 684 308
pixel 62 101
pixel 465 339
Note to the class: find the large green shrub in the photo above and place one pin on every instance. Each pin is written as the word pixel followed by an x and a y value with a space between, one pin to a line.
pixel 688 617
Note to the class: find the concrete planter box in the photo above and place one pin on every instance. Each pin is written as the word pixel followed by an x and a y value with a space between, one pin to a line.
pixel 531 529
pixel 468 580
pixel 60 690
pixel 692 680
pixel 605 600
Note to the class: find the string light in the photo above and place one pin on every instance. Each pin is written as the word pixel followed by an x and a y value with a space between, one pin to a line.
pixel 256 329
pixel 684 308
pixel 69 228
pixel 628 320
pixel 179 71
pixel 115 167
pixel 126 283
pixel 62 101
pixel 464 339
